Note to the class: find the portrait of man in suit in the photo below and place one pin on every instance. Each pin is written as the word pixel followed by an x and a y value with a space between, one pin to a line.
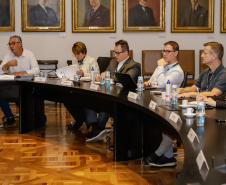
pixel 42 15
pixel 4 13
pixel 96 14
pixel 195 15
pixel 141 15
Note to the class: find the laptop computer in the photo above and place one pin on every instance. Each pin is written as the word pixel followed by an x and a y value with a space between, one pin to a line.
pixel 126 81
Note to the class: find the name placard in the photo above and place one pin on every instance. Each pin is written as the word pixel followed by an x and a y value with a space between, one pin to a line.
pixel 153 105
pixel 67 83
pixel 192 136
pixel 174 117
pixel 7 77
pixel 200 160
pixel 94 87
pixel 40 79
pixel 133 95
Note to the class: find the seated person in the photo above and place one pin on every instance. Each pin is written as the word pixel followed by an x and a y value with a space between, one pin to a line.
pixel 168 69
pixel 18 62
pixel 122 63
pixel 212 82
pixel 214 101
pixel 85 64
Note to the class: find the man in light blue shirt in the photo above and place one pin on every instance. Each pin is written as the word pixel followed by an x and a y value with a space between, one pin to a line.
pixel 168 69
pixel 18 62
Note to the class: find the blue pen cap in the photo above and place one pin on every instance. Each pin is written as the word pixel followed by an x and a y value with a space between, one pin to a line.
pixel 92 69
pixel 168 82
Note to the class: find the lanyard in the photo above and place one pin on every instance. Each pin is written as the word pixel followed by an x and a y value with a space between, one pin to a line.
pixel 209 80
pixel 171 67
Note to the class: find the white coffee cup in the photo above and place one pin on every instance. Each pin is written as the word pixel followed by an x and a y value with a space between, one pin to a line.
pixel 190 110
pixel 163 95
pixel 185 102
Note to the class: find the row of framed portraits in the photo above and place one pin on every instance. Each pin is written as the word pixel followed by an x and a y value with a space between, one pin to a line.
pixel 49 16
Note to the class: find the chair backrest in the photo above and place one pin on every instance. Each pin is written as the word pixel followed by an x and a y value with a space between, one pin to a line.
pixel 103 63
pixel 69 62
pixel 48 64
pixel 202 66
pixel 186 59
pixel 149 61
pixel 130 53
pixel 183 84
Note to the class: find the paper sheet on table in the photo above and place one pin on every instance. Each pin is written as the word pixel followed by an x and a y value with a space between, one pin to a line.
pixel 68 71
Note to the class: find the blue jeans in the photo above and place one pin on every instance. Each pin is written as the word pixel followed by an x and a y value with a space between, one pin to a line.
pixel 5 107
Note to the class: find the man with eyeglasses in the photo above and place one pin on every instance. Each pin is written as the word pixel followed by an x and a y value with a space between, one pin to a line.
pixel 168 69
pixel 212 81
pixel 122 63
pixel 18 62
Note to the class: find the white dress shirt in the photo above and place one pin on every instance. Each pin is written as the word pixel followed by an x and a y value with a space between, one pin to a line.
pixel 26 62
pixel 120 64
pixel 171 72
pixel 87 65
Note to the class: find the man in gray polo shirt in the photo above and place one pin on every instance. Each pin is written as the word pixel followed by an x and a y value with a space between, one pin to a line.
pixel 212 81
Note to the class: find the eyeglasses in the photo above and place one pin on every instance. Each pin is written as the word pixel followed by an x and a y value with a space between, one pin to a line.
pixel 166 51
pixel 117 53
pixel 12 43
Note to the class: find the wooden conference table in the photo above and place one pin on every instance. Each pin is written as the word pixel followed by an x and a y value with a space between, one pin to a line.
pixel 137 128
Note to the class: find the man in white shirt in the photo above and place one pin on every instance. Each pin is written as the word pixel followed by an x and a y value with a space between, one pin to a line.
pixel 168 69
pixel 18 62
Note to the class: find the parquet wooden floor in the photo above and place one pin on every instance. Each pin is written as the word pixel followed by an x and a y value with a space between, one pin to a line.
pixel 57 156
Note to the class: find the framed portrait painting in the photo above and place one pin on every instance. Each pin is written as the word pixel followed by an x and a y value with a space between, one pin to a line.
pixel 7 15
pixel 194 16
pixel 143 16
pixel 43 15
pixel 223 16
pixel 93 16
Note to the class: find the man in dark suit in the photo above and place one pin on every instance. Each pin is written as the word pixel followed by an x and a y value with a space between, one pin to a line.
pixel 41 15
pixel 98 15
pixel 4 17
pixel 122 63
pixel 141 15
pixel 195 15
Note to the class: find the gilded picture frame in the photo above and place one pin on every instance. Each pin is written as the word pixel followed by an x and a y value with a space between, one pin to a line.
pixel 101 20
pixel 183 10
pixel 147 18
pixel 7 15
pixel 49 17
pixel 223 16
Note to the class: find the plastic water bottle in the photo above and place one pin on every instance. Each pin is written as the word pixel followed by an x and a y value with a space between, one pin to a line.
pixel 168 91
pixel 140 84
pixel 92 76
pixel 107 78
pixel 200 113
pixel 174 94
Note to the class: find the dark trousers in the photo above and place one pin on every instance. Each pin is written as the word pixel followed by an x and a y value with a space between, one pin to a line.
pixel 98 122
pixel 5 107
pixel 77 113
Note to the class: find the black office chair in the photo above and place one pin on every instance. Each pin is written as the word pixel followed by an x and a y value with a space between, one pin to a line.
pixel 183 84
pixel 103 63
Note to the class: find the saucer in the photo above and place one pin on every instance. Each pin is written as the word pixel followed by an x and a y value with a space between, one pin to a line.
pixel 184 106
pixel 191 115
